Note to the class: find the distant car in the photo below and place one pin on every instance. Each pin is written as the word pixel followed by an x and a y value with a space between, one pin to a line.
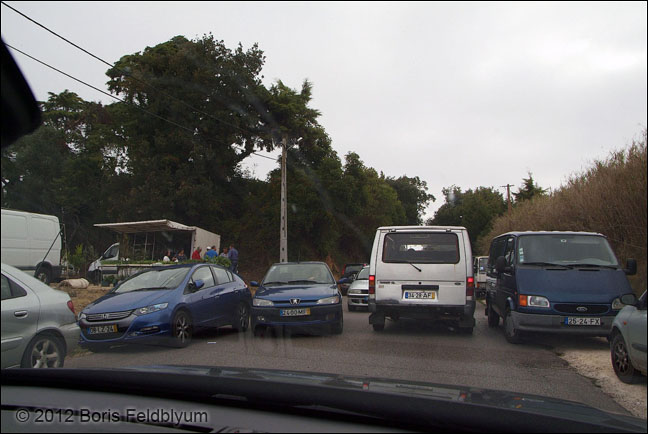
pixel 479 270
pixel 38 322
pixel 628 339
pixel 349 273
pixel 358 294
pixel 166 304
pixel 297 296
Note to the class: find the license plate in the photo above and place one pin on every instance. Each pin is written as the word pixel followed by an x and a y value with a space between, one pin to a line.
pixel 419 295
pixel 582 321
pixel 98 330
pixel 295 312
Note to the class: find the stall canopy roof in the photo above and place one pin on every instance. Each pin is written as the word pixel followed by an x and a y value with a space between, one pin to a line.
pixel 146 226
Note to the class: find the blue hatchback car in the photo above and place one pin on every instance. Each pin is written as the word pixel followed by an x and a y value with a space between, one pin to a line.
pixel 562 282
pixel 297 296
pixel 165 305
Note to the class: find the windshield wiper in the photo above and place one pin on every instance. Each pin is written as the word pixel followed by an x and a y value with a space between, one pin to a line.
pixel 593 266
pixel 546 264
pixel 304 281
pixel 420 271
pixel 274 283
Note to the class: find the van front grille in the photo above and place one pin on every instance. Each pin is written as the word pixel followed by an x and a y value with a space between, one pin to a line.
pixel 581 309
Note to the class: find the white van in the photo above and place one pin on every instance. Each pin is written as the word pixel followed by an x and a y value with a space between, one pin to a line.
pixel 32 243
pixel 422 272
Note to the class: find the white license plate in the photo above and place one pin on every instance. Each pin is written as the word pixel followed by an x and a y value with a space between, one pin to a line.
pixel 295 312
pixel 98 330
pixel 419 295
pixel 570 320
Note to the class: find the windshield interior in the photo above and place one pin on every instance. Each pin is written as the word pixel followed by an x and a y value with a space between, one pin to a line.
pixel 282 274
pixel 565 250
pixel 154 279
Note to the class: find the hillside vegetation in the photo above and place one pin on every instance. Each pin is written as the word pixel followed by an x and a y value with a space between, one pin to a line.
pixel 609 198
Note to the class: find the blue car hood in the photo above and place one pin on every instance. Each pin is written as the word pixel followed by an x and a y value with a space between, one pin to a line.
pixel 573 285
pixel 114 302
pixel 304 292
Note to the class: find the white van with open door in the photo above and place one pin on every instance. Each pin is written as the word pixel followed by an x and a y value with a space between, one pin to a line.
pixel 422 272
pixel 32 243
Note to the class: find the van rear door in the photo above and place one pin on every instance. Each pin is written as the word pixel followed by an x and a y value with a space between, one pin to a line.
pixel 427 267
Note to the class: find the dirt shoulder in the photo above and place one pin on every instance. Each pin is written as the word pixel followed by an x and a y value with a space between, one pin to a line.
pixel 593 361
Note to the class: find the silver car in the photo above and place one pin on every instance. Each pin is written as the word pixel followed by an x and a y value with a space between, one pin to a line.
pixel 38 322
pixel 628 339
pixel 358 294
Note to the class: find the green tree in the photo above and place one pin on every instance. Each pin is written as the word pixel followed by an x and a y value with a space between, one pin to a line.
pixel 528 190
pixel 412 193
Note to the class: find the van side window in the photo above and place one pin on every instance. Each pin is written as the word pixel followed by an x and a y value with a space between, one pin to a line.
pixel 497 249
pixel 509 253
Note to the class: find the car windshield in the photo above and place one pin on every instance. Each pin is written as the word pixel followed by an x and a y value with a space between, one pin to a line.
pixel 287 274
pixel 566 250
pixel 260 157
pixel 363 274
pixel 154 279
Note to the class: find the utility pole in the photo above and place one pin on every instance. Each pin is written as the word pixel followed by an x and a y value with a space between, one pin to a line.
pixel 508 194
pixel 283 231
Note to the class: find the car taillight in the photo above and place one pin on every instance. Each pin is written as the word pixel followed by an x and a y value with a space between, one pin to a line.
pixel 470 287
pixel 372 284
pixel 70 306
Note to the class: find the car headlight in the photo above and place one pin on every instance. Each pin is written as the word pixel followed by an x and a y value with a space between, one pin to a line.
pixel 151 309
pixel 329 300
pixel 534 301
pixel 617 305
pixel 260 302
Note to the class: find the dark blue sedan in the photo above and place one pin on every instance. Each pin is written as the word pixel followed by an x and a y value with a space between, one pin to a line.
pixel 297 296
pixel 166 305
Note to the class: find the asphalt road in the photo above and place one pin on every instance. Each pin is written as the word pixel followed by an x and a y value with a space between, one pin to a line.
pixel 409 350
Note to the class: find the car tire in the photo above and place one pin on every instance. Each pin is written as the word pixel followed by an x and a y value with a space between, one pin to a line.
pixel 512 335
pixel 621 361
pixel 466 330
pixel 181 329
pixel 242 320
pixel 44 275
pixel 44 351
pixel 493 317
pixel 378 327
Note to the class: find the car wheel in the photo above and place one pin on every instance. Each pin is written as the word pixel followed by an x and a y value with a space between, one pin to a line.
pixel 181 329
pixel 621 361
pixel 493 318
pixel 466 330
pixel 511 334
pixel 44 351
pixel 378 327
pixel 242 318
pixel 44 275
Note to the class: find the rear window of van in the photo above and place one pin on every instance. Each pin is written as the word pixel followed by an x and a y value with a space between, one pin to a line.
pixel 421 248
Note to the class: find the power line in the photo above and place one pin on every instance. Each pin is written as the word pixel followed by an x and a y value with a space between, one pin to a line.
pixel 125 72
pixel 115 97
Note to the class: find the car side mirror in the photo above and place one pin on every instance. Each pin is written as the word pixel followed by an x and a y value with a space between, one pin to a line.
pixel 631 267
pixel 500 265
pixel 342 281
pixel 196 285
pixel 254 283
pixel 629 299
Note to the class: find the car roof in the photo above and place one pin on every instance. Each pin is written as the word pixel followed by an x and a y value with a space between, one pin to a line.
pixel 422 228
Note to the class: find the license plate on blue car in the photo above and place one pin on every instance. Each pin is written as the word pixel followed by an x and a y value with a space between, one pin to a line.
pixel 295 312
pixel 98 330
pixel 570 320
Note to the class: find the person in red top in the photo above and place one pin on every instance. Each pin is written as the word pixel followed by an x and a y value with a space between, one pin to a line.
pixel 196 254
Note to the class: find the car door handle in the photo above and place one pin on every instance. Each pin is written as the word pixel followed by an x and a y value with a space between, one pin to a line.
pixel 20 313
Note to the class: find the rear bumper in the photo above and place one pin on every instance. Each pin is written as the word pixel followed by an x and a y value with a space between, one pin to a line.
pixel 556 324
pixel 434 312
pixel 358 300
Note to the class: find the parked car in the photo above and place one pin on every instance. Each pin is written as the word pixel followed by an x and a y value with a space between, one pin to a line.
pixel 349 273
pixel 297 296
pixel 560 282
pixel 166 304
pixel 479 269
pixel 628 339
pixel 32 243
pixel 38 322
pixel 422 272
pixel 358 295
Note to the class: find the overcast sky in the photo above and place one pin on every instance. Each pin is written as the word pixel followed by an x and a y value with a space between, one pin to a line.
pixel 465 94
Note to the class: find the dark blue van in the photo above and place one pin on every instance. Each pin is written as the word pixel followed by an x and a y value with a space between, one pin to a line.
pixel 564 282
